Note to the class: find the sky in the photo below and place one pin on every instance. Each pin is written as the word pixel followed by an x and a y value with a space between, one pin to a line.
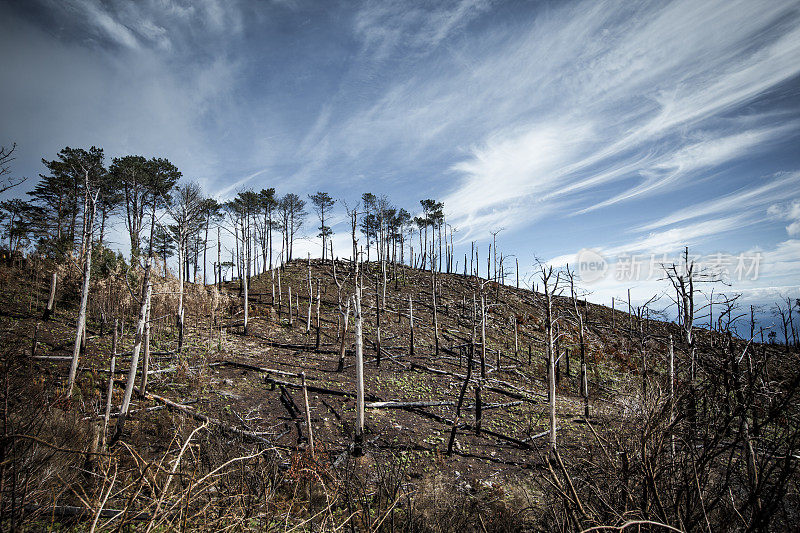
pixel 625 129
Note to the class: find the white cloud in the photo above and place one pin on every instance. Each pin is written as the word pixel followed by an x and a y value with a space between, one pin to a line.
pixel 789 211
pixel 744 199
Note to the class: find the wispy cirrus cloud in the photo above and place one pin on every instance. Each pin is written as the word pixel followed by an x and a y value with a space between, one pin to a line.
pixel 645 80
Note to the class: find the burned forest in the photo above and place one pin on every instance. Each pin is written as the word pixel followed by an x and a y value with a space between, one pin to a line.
pixel 214 380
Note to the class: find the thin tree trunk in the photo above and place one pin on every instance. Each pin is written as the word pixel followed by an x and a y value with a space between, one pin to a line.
pixel 146 355
pixel 309 428
pixel 48 312
pixel 80 331
pixel 137 347
pixel 340 367
pixel 110 389
pixel 359 436
pixel 411 326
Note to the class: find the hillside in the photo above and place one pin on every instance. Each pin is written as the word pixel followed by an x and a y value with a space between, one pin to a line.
pixel 220 440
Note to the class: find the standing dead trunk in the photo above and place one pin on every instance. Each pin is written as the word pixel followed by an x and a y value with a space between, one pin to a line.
pixel 319 329
pixel 435 314
pixel 110 389
pixel 457 418
pixel 310 297
pixel 671 394
pixel 182 268
pixel 584 376
pixel 35 340
pixel 377 319
pixel 80 332
pixel 359 436
pixel 137 347
pixel 280 293
pixel 290 305
pixel 48 311
pixel 146 355
pixel 483 337
pixel 309 428
pixel 411 326
pixel 219 261
pixel 246 278
pixel 340 367
pixel 550 289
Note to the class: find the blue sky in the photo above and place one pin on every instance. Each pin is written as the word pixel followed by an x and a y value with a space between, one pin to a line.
pixel 623 127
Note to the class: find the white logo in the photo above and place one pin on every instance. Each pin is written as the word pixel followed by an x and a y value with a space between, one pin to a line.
pixel 591 266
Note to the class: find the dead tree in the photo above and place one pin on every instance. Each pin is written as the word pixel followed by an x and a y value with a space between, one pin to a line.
pixel 110 389
pixel 551 288
pixel 146 355
pixel 377 319
pixel 435 313
pixel 310 297
pixel 90 208
pixel 410 327
pixel 307 410
pixel 457 418
pixel 290 305
pixel 146 295
pixel 584 383
pixel 319 327
pixel 359 435
pixel 48 311
pixel 344 312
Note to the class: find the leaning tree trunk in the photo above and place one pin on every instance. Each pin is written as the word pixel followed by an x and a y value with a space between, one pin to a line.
pixel 137 347
pixel 80 332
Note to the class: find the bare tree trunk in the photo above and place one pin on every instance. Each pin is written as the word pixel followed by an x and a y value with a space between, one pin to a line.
pixel 309 428
pixel 245 279
pixel 359 436
pixel 584 376
pixel 319 302
pixel 181 276
pixel 483 337
pixel 137 347
pixel 80 331
pixel 280 293
pixel 551 365
pixel 435 313
pixel 671 394
pixel 146 356
pixel 377 319
pixel 344 335
pixel 411 326
pixel 310 297
pixel 48 311
pixel 110 389
pixel 457 418
pixel 290 305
